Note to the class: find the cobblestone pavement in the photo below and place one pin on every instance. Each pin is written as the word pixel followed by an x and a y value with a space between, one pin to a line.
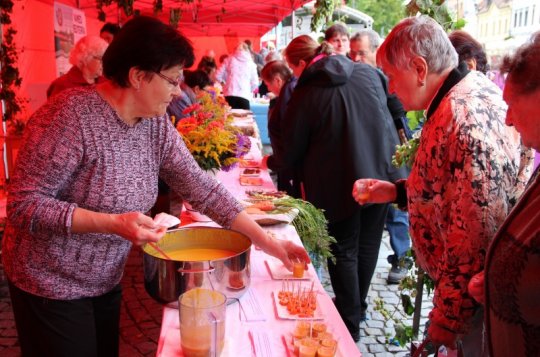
pixel 376 330
pixel 141 316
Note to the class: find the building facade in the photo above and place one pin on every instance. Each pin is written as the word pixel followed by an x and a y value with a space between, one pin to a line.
pixel 504 25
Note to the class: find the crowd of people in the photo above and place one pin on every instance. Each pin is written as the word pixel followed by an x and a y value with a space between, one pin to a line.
pixel 469 203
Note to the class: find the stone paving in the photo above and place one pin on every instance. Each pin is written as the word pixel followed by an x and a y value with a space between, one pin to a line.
pixel 376 330
pixel 141 316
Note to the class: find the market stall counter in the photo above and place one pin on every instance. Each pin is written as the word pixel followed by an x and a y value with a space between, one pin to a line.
pixel 260 323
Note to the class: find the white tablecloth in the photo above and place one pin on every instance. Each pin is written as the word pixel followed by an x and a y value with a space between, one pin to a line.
pixel 238 341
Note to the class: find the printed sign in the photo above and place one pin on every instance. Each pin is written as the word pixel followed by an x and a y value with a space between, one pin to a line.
pixel 69 27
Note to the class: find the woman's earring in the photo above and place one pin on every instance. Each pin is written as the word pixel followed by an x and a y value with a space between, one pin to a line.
pixel 422 83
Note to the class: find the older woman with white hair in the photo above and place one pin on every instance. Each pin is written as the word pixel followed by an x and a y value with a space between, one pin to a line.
pixel 87 65
pixel 468 172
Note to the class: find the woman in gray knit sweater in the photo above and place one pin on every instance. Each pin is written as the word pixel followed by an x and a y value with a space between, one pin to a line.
pixel 89 167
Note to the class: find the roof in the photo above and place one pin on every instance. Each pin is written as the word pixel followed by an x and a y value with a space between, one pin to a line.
pixel 208 17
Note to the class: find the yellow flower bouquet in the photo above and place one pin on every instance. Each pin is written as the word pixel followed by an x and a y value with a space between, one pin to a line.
pixel 210 136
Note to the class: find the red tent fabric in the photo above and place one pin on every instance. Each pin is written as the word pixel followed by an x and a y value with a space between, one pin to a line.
pixel 217 25
pixel 199 18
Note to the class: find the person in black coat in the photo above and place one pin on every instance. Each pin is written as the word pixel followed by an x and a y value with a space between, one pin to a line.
pixel 363 48
pixel 338 128
pixel 281 81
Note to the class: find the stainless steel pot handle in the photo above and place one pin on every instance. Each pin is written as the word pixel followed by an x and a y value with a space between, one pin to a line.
pixel 207 270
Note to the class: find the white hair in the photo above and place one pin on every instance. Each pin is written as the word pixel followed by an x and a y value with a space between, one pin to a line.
pixel 86 48
pixel 418 36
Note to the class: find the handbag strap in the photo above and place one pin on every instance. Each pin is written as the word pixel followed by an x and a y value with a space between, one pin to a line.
pixel 420 349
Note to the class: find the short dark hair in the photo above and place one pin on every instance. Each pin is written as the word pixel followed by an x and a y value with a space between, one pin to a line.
pixel 148 44
pixel 524 67
pixel 467 47
pixel 207 63
pixel 336 29
pixel 274 68
pixel 110 28
pixel 197 78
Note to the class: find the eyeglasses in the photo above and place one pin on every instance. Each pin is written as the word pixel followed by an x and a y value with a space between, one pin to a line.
pixel 173 82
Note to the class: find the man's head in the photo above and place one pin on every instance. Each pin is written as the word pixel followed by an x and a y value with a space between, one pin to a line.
pixel 364 45
pixel 108 31
pixel 338 36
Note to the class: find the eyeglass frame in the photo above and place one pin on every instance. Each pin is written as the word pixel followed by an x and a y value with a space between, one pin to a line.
pixel 173 82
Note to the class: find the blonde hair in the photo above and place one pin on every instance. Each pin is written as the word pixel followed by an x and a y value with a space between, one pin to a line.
pixel 304 48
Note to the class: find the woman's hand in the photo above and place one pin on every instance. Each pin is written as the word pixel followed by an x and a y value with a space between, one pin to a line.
pixel 137 228
pixel 133 226
pixel 373 191
pixel 286 251
pixel 476 288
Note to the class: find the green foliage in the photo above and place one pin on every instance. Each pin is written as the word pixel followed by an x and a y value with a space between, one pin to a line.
pixel 386 13
pixel 406 153
pixel 436 9
pixel 127 7
pixel 404 333
pixel 323 13
pixel 415 118
pixel 312 228
pixel 9 75
pixel 174 17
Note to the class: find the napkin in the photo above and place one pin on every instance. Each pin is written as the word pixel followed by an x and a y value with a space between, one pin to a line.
pixel 261 341
pixel 166 220
pixel 250 307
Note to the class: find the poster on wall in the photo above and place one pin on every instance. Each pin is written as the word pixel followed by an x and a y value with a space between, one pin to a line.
pixel 69 27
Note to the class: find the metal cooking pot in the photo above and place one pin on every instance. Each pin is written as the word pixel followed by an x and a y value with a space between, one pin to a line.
pixel 165 280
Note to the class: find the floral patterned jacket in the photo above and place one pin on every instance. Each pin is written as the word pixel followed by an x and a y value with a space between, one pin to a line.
pixel 469 171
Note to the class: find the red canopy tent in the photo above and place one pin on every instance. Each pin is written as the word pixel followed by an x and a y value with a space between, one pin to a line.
pixel 217 25
pixel 248 18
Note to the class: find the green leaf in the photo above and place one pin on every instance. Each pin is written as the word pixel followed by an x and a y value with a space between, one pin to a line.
pixel 408 306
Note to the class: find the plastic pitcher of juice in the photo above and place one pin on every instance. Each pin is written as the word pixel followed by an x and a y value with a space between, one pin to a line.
pixel 202 322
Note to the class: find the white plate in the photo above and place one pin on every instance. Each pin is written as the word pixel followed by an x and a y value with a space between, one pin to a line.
pixel 240 112
pixel 250 172
pixel 251 181
pixel 279 272
pixel 283 313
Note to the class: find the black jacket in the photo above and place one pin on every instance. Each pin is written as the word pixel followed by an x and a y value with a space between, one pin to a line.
pixel 338 129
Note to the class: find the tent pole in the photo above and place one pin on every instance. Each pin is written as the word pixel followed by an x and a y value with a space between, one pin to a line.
pixel 4 124
pixel 293 23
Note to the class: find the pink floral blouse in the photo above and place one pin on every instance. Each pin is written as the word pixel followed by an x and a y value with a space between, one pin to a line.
pixel 469 171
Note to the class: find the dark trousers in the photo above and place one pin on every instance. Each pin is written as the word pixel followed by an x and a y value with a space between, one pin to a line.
pixel 87 327
pixel 237 102
pixel 356 252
